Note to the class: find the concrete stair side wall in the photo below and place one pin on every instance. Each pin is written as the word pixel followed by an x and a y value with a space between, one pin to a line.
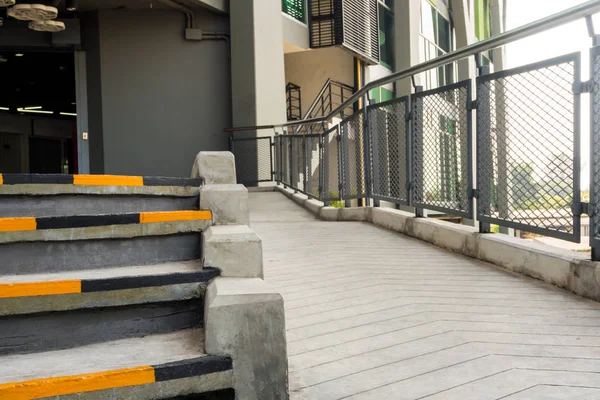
pixel 243 316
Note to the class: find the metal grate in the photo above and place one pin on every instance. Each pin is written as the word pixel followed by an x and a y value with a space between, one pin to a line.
pixel 331 165
pixel 352 151
pixel 352 24
pixel 595 150
pixel 253 159
pixel 325 25
pixel 528 172
pixel 294 8
pixel 441 134
pixel 361 32
pixel 388 142
pixel 293 96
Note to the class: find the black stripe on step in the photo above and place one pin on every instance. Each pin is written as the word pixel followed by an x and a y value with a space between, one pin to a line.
pixel 82 221
pixel 166 181
pixel 133 282
pixel 20 179
pixel 192 367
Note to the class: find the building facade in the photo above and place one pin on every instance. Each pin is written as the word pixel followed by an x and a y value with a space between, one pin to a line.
pixel 138 87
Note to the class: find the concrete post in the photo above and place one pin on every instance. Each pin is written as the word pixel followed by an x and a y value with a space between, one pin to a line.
pixel 465 35
pixel 244 319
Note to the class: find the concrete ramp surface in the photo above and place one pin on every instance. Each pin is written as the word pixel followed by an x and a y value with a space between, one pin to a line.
pixel 372 314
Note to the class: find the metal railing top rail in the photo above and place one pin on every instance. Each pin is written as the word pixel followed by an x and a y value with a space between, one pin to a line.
pixel 564 17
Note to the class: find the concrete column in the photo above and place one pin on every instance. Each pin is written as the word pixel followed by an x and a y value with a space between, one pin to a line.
pixel 407 18
pixel 497 27
pixel 465 35
pixel 257 67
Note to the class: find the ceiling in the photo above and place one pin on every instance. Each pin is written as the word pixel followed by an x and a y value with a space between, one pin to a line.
pixel 37 79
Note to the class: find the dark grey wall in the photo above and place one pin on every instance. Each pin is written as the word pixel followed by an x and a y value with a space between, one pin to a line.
pixel 163 98
pixel 90 37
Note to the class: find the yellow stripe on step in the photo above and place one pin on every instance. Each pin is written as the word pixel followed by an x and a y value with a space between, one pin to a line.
pixel 17 224
pixel 38 288
pixel 108 180
pixel 167 216
pixel 47 387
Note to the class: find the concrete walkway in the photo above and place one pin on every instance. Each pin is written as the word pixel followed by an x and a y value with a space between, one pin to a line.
pixel 375 315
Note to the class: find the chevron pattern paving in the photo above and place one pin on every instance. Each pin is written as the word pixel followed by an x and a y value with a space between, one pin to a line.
pixel 375 315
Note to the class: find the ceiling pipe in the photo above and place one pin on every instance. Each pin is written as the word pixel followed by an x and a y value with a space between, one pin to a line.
pixel 190 17
pixel 191 31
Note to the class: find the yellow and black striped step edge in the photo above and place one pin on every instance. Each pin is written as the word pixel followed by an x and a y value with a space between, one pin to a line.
pixel 111 379
pixel 74 286
pixel 84 221
pixel 97 180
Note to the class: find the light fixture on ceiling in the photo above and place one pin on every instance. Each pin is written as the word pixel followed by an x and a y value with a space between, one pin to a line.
pixel 3 59
pixel 71 5
pixel 34 111
pixel 47 26
pixel 19 55
pixel 4 109
pixel 32 12
pixel 33 108
pixel 68 114
pixel 7 3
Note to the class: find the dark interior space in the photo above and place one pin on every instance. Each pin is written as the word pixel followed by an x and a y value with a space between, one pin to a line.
pixel 37 112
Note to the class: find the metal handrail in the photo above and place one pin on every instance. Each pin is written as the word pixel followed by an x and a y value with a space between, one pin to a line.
pixel 316 100
pixel 541 25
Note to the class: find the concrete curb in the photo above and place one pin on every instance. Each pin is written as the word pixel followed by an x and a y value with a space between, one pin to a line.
pixel 562 268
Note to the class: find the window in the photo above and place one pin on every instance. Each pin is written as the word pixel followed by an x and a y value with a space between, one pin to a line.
pixel 437 38
pixel 386 33
pixel 379 95
pixel 295 9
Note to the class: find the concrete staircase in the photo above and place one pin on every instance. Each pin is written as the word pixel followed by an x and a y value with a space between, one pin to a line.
pixel 102 289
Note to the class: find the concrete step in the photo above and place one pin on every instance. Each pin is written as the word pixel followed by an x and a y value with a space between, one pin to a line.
pixel 97 306
pixel 156 366
pixel 51 244
pixel 35 195
pixel 106 287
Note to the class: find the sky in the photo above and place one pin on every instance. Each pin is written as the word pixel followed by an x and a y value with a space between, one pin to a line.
pixel 558 41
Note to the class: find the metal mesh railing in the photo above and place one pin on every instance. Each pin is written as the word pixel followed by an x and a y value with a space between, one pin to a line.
pixel 595 150
pixel 388 142
pixel 441 156
pixel 253 159
pixel 527 167
pixel 353 157
pixel 331 165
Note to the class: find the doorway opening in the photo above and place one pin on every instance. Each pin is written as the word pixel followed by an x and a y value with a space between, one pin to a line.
pixel 38 117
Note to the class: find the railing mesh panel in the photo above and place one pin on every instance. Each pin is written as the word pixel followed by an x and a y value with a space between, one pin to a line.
pixel 526 146
pixel 313 165
pixel 387 142
pixel 253 159
pixel 440 151
pixel 595 161
pixel 353 172
pixel 331 167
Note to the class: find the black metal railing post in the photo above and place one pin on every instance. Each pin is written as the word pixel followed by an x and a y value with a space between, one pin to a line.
pixel 417 142
pixel 484 156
